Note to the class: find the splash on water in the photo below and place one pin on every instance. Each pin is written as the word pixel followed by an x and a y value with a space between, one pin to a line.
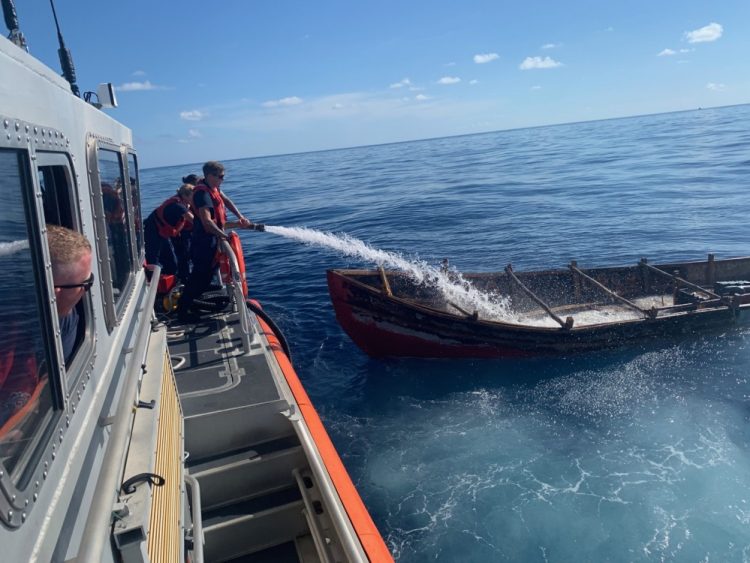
pixel 451 284
pixel 10 248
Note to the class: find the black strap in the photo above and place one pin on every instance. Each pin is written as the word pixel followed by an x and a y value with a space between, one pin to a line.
pixel 128 487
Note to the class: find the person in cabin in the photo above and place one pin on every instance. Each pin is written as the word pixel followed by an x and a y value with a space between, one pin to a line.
pixel 70 255
pixel 163 227
pixel 117 229
pixel 22 374
pixel 210 207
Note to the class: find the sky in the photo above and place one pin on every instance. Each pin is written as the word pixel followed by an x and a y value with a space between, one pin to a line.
pixel 237 79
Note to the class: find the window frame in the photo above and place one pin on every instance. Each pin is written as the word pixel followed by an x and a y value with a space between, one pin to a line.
pixel 84 355
pixel 21 484
pixel 114 306
pixel 137 224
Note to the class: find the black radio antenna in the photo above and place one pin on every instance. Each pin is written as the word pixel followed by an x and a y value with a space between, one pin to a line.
pixel 11 22
pixel 66 59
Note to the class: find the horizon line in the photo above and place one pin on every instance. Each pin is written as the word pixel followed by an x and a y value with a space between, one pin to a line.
pixel 456 136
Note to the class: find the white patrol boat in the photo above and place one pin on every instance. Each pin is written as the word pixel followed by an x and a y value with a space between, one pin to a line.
pixel 151 443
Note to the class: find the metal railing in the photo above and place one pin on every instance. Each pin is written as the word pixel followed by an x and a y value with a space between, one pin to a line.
pixel 238 296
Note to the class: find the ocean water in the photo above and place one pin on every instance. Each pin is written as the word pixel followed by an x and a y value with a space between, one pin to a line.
pixel 637 454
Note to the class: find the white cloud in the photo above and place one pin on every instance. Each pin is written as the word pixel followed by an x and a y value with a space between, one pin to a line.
pixel 667 53
pixel 289 101
pixel 421 97
pixel 472 82
pixel 194 134
pixel 705 34
pixel 192 115
pixel 337 106
pixel 686 50
pixel 539 62
pixel 401 83
pixel 139 73
pixel 547 46
pixel 485 58
pixel 138 86
pixel 450 64
pixel 716 87
pixel 536 87
pixel 449 80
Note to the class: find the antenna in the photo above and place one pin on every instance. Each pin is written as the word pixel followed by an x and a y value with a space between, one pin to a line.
pixel 66 59
pixel 11 22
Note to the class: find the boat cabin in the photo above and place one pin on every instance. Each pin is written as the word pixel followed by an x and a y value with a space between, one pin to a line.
pixel 130 437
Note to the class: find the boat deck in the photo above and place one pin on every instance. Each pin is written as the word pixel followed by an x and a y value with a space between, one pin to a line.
pixel 212 370
pixel 241 447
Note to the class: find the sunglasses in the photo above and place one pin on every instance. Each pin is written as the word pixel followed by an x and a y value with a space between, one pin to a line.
pixel 86 285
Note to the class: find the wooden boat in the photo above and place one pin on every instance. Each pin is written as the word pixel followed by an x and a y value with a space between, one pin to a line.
pixel 154 441
pixel 562 311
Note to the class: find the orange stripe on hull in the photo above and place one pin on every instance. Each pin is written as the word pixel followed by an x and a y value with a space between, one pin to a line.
pixel 369 536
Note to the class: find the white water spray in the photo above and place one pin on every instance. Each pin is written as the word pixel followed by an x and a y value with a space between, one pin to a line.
pixel 452 285
pixel 14 247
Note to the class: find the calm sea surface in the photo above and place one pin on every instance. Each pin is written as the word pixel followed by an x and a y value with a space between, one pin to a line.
pixel 641 454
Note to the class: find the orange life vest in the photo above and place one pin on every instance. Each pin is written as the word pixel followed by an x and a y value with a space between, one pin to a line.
pixel 220 212
pixel 165 229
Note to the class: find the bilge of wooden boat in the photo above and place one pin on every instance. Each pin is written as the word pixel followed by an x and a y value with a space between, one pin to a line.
pixel 388 314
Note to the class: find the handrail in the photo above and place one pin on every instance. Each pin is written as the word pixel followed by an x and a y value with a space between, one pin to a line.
pixel 239 297
pixel 105 493
pixel 351 547
pixel 567 324
pixel 644 312
pixel 680 280
pixel 195 497
pixel 312 523
pixel 336 487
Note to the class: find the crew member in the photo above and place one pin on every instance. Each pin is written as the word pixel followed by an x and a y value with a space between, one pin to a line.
pixel 210 208
pixel 181 242
pixel 21 373
pixel 165 224
pixel 70 254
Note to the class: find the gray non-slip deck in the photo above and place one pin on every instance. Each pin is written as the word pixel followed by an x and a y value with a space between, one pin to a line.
pixel 211 369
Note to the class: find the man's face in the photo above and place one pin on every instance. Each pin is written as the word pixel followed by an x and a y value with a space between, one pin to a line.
pixel 77 273
pixel 215 180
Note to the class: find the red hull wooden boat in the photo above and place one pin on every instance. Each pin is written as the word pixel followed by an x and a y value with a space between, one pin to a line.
pixel 388 314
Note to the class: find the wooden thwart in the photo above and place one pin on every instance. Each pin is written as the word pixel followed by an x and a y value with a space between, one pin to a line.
pixel 679 280
pixel 464 311
pixel 647 314
pixel 384 279
pixel 566 324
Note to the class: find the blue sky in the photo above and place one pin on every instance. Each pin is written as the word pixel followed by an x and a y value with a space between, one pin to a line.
pixel 259 77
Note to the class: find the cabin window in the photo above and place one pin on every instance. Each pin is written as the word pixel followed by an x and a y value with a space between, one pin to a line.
pixel 59 197
pixel 116 218
pixel 135 199
pixel 26 389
